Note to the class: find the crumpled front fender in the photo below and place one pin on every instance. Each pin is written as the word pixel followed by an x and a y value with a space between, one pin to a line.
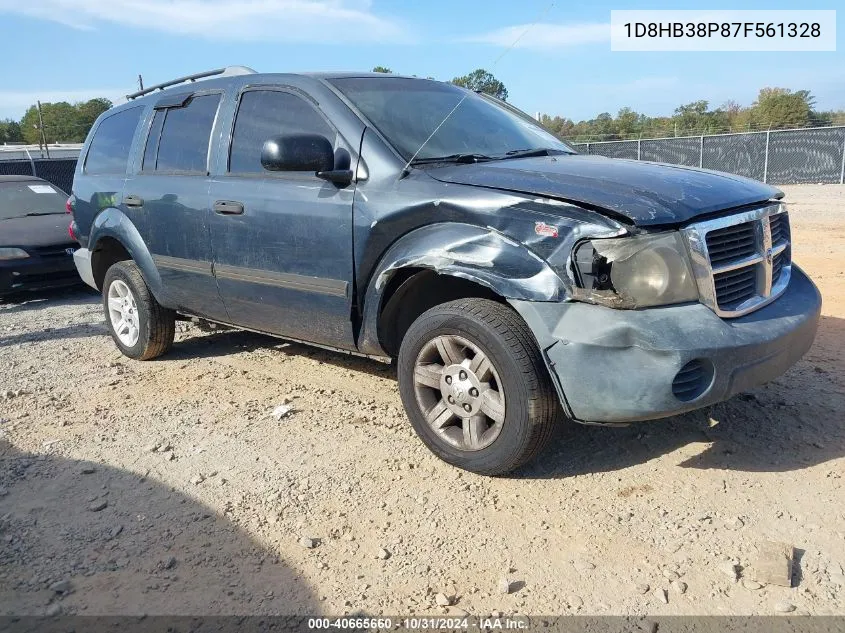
pixel 479 254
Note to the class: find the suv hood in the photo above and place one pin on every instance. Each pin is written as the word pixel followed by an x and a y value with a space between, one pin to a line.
pixel 643 193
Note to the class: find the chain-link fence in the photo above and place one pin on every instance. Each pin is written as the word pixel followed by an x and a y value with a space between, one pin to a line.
pixel 781 157
pixel 58 171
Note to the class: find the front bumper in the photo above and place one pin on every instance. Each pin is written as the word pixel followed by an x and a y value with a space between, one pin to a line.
pixel 37 273
pixel 619 365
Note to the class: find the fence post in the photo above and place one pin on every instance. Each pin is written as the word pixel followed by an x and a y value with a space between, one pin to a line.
pixel 842 169
pixel 588 147
pixel 639 146
pixel 31 162
pixel 701 152
pixel 766 159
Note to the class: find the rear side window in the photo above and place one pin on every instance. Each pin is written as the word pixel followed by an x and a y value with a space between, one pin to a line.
pixel 263 114
pixel 109 150
pixel 182 136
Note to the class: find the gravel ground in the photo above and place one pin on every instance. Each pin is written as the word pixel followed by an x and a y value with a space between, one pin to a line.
pixel 167 487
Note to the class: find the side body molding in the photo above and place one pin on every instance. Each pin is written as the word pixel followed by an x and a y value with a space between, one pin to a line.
pixel 479 254
pixel 113 223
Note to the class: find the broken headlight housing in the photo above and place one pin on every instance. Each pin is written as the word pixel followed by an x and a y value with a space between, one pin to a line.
pixel 635 271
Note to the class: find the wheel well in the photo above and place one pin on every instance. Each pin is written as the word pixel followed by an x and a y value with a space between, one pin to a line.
pixel 108 252
pixel 412 291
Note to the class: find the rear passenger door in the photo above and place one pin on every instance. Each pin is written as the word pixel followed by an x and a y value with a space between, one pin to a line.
pixel 168 198
pixel 283 259
pixel 101 173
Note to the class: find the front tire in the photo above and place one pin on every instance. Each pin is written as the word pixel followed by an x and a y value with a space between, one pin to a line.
pixel 140 327
pixel 475 387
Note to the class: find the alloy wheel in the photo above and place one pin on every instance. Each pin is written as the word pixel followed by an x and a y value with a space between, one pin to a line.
pixel 123 313
pixel 459 392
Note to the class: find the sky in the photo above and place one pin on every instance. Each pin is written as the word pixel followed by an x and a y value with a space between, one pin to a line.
pixel 73 50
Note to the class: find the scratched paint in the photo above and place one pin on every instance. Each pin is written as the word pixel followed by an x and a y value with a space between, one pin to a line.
pixel 509 225
pixel 642 193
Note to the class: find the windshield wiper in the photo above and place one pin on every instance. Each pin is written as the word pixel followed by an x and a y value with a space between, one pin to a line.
pixel 528 153
pixel 452 158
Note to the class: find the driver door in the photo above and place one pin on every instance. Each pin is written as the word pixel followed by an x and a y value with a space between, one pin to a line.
pixel 282 241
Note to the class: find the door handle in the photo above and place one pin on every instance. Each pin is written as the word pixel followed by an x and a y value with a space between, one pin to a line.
pixel 133 201
pixel 228 207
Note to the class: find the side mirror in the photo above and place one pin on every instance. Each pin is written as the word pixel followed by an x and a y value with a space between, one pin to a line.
pixel 298 152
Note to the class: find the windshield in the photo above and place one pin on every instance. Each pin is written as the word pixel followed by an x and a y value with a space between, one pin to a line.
pixel 30 197
pixel 407 111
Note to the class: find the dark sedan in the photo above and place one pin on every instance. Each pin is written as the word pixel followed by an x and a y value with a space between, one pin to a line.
pixel 36 251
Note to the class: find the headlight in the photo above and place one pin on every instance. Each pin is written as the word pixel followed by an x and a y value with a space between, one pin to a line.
pixel 634 272
pixel 13 253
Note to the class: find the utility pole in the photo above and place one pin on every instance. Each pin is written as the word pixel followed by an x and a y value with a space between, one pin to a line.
pixel 140 82
pixel 41 127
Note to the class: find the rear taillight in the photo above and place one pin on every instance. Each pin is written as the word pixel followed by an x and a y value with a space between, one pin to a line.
pixel 72 231
pixel 68 206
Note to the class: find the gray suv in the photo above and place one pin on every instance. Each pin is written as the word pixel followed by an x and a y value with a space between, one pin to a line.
pixel 512 279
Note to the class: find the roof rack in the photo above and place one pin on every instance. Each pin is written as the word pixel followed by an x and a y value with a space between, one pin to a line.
pixel 229 71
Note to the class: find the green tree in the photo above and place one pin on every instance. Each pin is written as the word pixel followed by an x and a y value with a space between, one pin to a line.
pixel 558 126
pixel 63 122
pixel 831 117
pixel 90 110
pixel 382 69
pixel 781 107
pixel 732 111
pixel 628 123
pixel 603 125
pixel 10 132
pixel 691 117
pixel 482 81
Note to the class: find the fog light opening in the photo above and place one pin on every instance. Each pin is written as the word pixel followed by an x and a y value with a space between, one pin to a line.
pixel 693 380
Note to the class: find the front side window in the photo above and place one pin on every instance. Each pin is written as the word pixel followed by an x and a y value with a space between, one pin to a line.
pixel 409 111
pixel 184 137
pixel 263 114
pixel 109 150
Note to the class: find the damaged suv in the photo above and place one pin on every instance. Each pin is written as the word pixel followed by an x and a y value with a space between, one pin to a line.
pixel 512 279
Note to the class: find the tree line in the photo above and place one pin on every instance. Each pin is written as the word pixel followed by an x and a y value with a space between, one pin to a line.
pixel 774 109
pixel 63 122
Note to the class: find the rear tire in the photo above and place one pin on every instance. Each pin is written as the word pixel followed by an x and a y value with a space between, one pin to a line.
pixel 140 327
pixel 475 387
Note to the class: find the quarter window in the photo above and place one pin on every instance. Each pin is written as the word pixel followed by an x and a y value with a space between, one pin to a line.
pixel 109 150
pixel 263 114
pixel 185 135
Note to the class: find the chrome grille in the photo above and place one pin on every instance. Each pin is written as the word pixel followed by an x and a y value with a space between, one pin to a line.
pixel 777 266
pixel 732 242
pixel 735 286
pixel 741 262
pixel 779 225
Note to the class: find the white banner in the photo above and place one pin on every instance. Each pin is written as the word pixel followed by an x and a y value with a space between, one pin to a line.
pixel 711 30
